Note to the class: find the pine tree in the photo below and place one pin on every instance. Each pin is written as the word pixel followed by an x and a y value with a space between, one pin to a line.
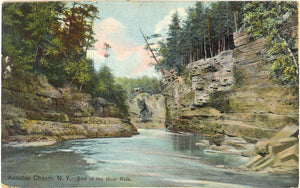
pixel 173 43
pixel 206 32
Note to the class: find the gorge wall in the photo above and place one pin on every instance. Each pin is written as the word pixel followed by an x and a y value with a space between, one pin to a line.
pixel 147 111
pixel 231 95
pixel 33 110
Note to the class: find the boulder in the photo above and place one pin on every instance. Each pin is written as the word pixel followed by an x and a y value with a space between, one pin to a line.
pixel 266 162
pixel 249 151
pixel 287 131
pixel 278 145
pixel 223 149
pixel 261 147
pixel 278 154
pixel 291 152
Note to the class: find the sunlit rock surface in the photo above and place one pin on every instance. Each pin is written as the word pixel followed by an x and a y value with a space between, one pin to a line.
pixel 36 111
pixel 231 94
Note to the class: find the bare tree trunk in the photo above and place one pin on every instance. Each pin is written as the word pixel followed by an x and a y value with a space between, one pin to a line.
pixel 235 21
pixel 193 53
pixel 205 55
pixel 36 53
pixel 201 52
pixel 157 63
pixel 219 45
pixel 209 41
pixel 35 57
pixel 224 44
pixel 210 49
pixel 73 78
pixel 81 87
pixel 227 27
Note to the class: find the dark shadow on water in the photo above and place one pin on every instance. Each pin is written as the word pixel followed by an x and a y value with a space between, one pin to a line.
pixel 32 162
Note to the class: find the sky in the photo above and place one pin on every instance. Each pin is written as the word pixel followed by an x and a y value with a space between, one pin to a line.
pixel 119 25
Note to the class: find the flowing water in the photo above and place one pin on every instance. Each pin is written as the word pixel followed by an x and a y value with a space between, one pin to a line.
pixel 152 158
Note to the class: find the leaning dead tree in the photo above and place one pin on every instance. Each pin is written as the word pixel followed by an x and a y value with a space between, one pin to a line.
pixel 157 62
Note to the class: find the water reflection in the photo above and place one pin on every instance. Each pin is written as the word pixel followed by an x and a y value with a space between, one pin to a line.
pixel 185 143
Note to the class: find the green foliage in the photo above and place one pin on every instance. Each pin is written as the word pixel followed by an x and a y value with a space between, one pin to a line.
pixel 267 19
pixel 145 84
pixel 105 83
pixel 52 39
pixel 206 32
pixel 102 84
pixel 49 38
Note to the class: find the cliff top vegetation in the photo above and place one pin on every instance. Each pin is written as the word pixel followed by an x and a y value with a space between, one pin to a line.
pixel 208 30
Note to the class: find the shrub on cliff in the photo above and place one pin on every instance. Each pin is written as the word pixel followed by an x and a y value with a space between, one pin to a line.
pixel 269 19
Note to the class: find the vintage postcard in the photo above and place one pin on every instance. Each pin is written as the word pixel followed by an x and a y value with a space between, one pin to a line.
pixel 149 94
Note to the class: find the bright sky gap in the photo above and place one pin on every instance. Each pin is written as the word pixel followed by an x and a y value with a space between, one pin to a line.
pixel 119 25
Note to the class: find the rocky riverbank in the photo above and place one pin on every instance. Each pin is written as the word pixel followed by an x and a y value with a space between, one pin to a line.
pixel 34 111
pixel 231 96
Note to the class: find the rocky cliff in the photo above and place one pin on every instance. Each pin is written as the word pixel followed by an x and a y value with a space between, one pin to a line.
pixel 231 95
pixel 147 111
pixel 33 110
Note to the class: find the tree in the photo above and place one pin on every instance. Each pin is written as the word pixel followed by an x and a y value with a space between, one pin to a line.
pixel 145 84
pixel 103 85
pixel 80 71
pixel 52 39
pixel 49 38
pixel 27 34
pixel 76 34
pixel 207 31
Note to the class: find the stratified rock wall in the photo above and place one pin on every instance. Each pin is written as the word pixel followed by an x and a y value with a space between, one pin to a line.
pixel 230 94
pixel 34 110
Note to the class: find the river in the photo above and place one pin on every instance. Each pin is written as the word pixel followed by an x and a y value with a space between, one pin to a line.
pixel 152 158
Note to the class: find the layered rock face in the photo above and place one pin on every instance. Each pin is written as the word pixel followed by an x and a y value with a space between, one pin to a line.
pixel 36 111
pixel 147 111
pixel 230 94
